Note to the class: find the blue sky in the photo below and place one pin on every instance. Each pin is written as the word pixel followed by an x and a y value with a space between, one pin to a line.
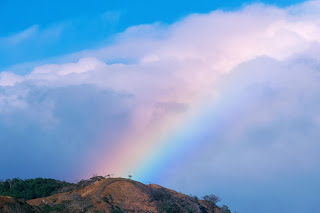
pixel 203 97
pixel 62 27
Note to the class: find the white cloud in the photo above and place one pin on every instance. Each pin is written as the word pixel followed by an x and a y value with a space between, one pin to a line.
pixel 9 79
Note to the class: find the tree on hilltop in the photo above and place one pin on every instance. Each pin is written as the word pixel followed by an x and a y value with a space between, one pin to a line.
pixel 212 199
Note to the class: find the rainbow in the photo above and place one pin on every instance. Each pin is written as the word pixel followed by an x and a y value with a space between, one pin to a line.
pixel 149 154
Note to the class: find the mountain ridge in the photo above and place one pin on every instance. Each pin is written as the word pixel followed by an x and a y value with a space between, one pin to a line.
pixel 114 195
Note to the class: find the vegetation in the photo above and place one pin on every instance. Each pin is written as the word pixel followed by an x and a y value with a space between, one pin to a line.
pixel 160 194
pixel 56 208
pixel 164 199
pixel 225 209
pixel 31 188
pixel 212 199
pixel 40 187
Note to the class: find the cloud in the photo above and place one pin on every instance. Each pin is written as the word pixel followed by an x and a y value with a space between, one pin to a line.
pixel 21 36
pixel 58 128
pixel 32 34
pixel 9 79
pixel 249 77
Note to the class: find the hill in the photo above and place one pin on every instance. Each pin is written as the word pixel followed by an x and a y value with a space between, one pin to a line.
pixel 114 195
pixel 14 205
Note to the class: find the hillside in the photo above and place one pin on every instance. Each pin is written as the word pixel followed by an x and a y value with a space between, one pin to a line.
pixel 113 195
pixel 14 205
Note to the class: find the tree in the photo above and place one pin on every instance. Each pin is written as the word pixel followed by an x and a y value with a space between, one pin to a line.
pixel 130 176
pixel 225 209
pixel 96 178
pixel 212 199
pixel 10 183
pixel 31 188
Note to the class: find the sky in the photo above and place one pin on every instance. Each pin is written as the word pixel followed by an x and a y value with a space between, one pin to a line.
pixel 203 97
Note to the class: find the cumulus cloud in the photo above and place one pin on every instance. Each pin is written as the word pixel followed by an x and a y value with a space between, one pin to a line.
pixel 257 68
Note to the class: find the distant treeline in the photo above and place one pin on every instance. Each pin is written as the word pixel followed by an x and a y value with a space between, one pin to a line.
pixel 40 187
pixel 31 188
